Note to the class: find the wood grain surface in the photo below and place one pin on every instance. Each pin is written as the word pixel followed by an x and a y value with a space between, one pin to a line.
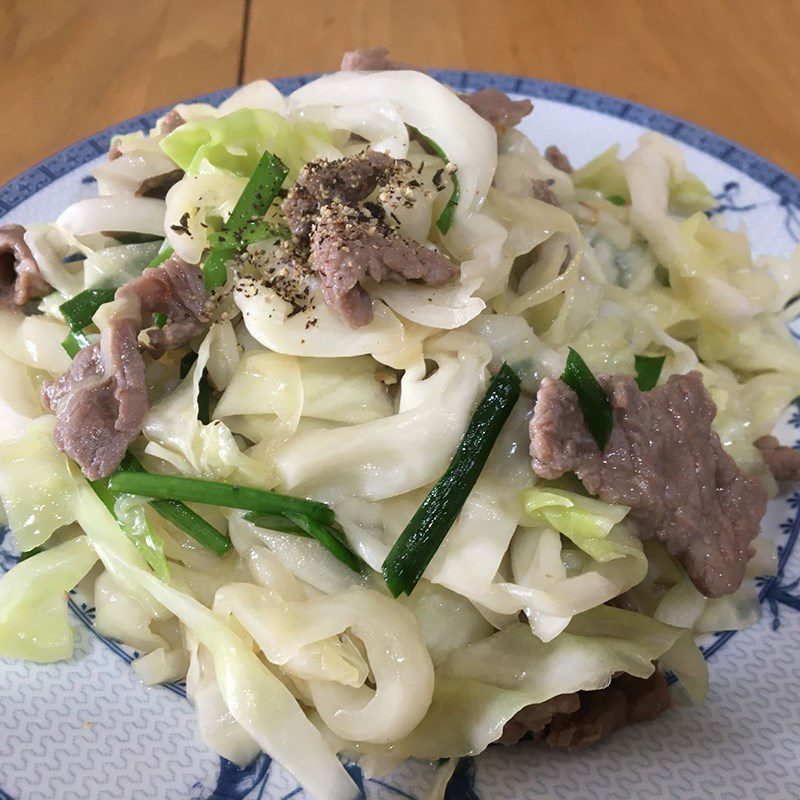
pixel 71 68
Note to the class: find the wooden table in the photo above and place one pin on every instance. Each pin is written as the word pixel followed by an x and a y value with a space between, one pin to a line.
pixel 71 67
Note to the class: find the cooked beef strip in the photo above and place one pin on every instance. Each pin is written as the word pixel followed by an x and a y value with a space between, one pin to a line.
pixel 493 105
pixel 175 289
pixel 98 414
pixel 346 240
pixel 555 157
pixel 20 279
pixel 627 700
pixel 783 461
pixel 347 247
pixel 101 401
pixel 498 108
pixel 534 719
pixel 170 122
pixel 664 461
pixel 541 190
pixel 159 185
pixel 346 181
pixel 579 719
pixel 369 59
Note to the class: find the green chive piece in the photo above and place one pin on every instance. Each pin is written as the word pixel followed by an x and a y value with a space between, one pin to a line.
pixel 447 217
pixel 249 233
pixel 159 319
pixel 150 546
pixel 79 310
pixel 616 199
pixel 258 195
pixel 648 371
pixel 182 517
pixel 195 490
pixel 74 343
pixel 300 525
pixel 215 267
pixel 34 551
pixel 160 257
pixel 193 525
pixel 275 522
pixel 260 191
pixel 418 543
pixel 328 538
pixel 594 402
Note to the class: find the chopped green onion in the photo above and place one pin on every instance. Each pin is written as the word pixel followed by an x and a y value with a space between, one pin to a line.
pixel 616 199
pixel 192 524
pixel 34 551
pixel 275 522
pixel 648 371
pixel 250 233
pixel 195 490
pixel 182 517
pixel 413 551
pixel 159 319
pixel 258 195
pixel 594 402
pixel 445 220
pixel 300 525
pixel 215 267
pixel 100 487
pixel 79 310
pixel 328 538
pixel 74 343
pixel 149 545
pixel 161 257
pixel 260 192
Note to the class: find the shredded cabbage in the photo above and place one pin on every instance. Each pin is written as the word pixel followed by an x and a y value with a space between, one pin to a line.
pixel 33 604
pixel 284 647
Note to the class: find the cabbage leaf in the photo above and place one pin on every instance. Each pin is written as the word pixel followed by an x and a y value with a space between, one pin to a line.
pixel 33 602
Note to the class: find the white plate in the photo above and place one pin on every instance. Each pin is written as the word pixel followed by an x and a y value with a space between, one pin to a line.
pixel 87 729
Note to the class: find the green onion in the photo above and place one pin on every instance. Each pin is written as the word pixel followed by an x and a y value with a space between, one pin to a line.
pixel 445 220
pixel 150 546
pixel 328 538
pixel 74 343
pixel 300 525
pixel 34 551
pixel 79 310
pixel 648 371
pixel 250 233
pixel 192 524
pixel 159 319
pixel 215 267
pixel 182 517
pixel 420 540
pixel 258 195
pixel 616 199
pixel 275 522
pixel 161 257
pixel 594 402
pixel 195 490
pixel 260 191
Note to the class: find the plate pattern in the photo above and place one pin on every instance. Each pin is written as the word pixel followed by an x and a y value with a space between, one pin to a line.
pixel 498 775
